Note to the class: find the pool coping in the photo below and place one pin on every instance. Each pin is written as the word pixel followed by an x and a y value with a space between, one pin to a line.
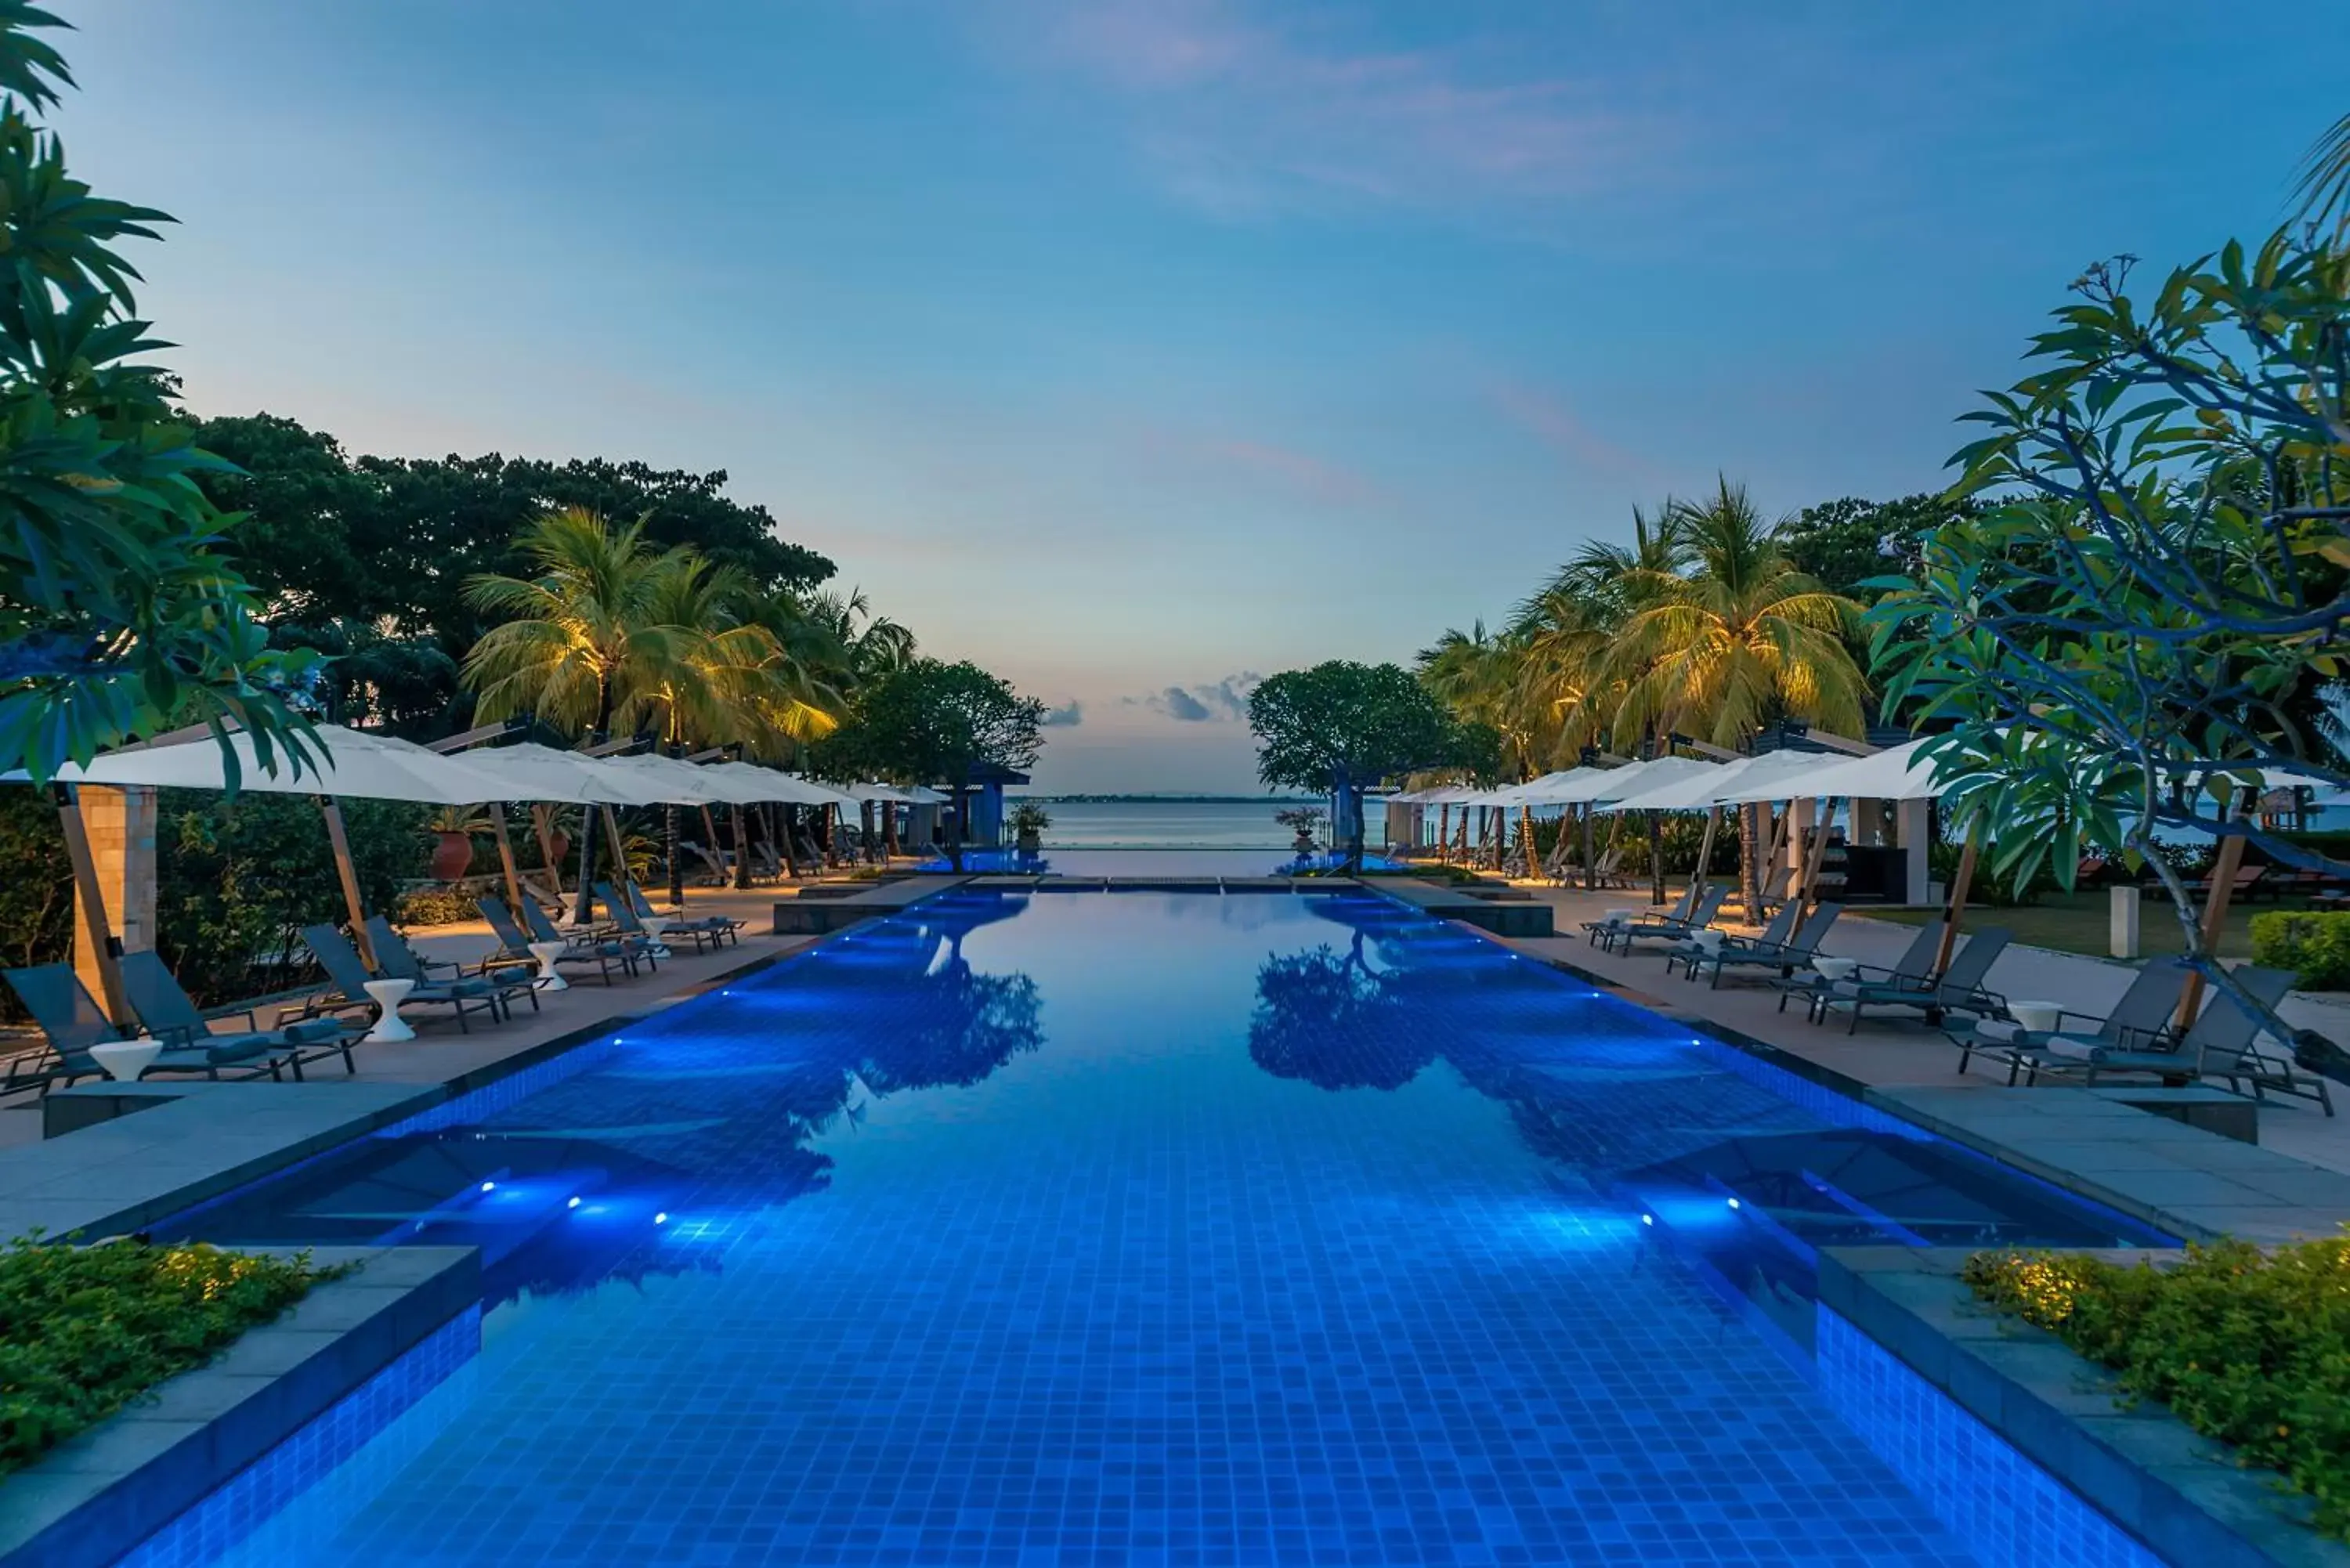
pixel 100 1493
pixel 2178 1493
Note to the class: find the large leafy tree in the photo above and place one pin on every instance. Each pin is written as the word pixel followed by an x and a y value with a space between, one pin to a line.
pixel 390 543
pixel 2160 584
pixel 1343 727
pixel 120 613
pixel 930 721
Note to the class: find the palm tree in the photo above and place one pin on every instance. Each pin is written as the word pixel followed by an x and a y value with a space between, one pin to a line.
pixel 596 637
pixel 1738 641
pixel 2325 187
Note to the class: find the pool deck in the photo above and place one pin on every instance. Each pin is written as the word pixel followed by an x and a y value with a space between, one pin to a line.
pixel 2296 1182
pixel 441 1056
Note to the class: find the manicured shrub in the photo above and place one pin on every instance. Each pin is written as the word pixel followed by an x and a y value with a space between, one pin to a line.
pixel 2247 1346
pixel 84 1330
pixel 2312 943
pixel 435 906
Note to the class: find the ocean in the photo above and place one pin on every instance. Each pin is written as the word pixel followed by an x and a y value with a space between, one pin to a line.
pixel 1167 824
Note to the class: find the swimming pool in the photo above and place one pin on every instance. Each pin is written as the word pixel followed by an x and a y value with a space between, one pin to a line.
pixel 1133 861
pixel 1121 1227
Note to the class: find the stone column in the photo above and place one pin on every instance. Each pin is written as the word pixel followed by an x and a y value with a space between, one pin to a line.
pixel 121 827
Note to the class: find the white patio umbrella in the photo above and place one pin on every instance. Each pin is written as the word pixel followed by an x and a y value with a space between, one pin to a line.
pixel 536 772
pixel 345 762
pixel 351 762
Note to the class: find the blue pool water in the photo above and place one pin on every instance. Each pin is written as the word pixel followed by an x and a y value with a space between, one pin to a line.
pixel 1127 1228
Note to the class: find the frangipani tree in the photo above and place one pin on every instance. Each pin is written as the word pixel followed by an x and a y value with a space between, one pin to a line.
pixel 2156 581
pixel 120 616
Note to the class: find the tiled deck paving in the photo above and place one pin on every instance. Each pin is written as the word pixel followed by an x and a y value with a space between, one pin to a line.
pixel 2297 1183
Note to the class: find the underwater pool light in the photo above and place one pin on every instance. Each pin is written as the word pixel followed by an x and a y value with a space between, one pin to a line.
pixel 662 1218
pixel 573 1203
pixel 1733 1203
pixel 1647 1218
pixel 489 1187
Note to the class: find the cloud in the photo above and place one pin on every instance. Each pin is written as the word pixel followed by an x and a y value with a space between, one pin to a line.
pixel 1067 714
pixel 1549 417
pixel 1221 702
pixel 1178 703
pixel 1310 475
pixel 1240 114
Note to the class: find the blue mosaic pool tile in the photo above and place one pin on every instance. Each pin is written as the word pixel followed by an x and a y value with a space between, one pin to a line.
pixel 2010 1511
pixel 1110 1229
pixel 258 1494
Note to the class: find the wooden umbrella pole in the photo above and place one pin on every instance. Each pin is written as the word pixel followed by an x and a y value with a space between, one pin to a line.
pixel 1590 871
pixel 105 951
pixel 2225 864
pixel 1655 861
pixel 1705 854
pixel 1959 884
pixel 741 848
pixel 542 823
pixel 506 856
pixel 619 846
pixel 340 840
pixel 1526 840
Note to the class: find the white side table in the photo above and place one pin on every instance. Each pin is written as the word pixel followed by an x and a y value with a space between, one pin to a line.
pixel 1836 969
pixel 390 1027
pixel 547 953
pixel 657 926
pixel 124 1059
pixel 2038 1017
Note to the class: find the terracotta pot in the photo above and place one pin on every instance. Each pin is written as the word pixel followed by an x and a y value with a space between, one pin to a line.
pixel 452 857
pixel 561 844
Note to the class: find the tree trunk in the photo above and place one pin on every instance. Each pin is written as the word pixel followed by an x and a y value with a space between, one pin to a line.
pixel 1590 867
pixel 742 848
pixel 865 834
pixel 583 909
pixel 888 831
pixel 1750 862
pixel 676 866
pixel 1655 861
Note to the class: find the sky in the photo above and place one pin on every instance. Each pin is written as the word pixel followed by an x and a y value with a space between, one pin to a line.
pixel 1137 348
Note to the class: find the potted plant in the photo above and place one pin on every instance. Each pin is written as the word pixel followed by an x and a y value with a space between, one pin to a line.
pixel 1029 822
pixel 455 826
pixel 1304 821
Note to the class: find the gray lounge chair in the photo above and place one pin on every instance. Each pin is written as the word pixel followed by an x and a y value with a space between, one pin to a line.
pixel 514 941
pixel 1594 931
pixel 399 962
pixel 171 1015
pixel 1958 989
pixel 350 977
pixel 73 1022
pixel 1667 928
pixel 716 929
pixel 2233 1051
pixel 1783 959
pixel 2139 1023
pixel 632 933
pixel 1691 952
pixel 1917 961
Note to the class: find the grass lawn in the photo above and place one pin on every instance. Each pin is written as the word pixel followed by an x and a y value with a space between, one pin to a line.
pixel 2075 923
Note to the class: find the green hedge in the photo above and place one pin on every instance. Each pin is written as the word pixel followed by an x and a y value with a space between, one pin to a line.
pixel 2312 943
pixel 84 1330
pixel 2250 1348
